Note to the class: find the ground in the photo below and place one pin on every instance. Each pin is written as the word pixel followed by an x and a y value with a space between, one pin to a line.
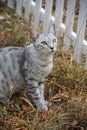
pixel 65 87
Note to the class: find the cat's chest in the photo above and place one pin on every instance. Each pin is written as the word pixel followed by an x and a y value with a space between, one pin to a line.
pixel 44 70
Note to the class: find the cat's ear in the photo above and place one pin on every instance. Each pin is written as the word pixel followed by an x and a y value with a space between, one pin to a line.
pixel 52 29
pixel 34 34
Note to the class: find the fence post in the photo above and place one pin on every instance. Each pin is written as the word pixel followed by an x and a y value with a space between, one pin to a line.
pixel 80 46
pixel 10 4
pixel 47 17
pixel 19 7
pixel 58 16
pixel 69 24
pixel 37 13
pixel 27 9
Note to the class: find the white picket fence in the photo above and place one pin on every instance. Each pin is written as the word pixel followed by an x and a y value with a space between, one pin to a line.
pixel 70 37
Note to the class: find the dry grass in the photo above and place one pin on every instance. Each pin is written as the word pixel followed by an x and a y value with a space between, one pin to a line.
pixel 66 87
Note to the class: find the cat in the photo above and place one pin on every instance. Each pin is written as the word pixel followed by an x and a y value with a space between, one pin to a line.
pixel 28 66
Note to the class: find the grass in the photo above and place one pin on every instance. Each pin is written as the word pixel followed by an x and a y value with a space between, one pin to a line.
pixel 65 87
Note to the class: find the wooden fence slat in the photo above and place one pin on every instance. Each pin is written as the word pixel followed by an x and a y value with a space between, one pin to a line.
pixel 37 13
pixel 58 16
pixel 27 9
pixel 19 7
pixel 10 4
pixel 80 46
pixel 47 17
pixel 69 24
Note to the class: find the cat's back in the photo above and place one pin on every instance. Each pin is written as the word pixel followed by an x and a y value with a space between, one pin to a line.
pixel 9 55
pixel 10 49
pixel 10 60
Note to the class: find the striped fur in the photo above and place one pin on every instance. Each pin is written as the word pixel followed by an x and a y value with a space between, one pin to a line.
pixel 27 66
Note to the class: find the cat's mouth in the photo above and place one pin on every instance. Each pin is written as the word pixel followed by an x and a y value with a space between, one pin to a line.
pixel 52 49
pixel 52 52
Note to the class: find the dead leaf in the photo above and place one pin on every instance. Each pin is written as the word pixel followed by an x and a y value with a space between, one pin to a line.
pixel 60 96
pixel 43 116
pixel 25 108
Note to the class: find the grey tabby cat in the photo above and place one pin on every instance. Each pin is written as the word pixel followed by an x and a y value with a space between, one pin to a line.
pixel 28 66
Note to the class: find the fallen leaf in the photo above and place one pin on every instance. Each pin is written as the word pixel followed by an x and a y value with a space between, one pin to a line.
pixel 43 116
pixel 25 108
pixel 60 96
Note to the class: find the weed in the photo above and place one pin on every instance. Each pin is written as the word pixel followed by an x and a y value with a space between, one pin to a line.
pixel 1 112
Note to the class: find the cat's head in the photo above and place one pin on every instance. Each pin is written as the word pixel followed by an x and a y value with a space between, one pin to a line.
pixel 46 43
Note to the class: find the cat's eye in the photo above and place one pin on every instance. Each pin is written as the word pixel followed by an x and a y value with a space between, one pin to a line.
pixel 54 40
pixel 44 42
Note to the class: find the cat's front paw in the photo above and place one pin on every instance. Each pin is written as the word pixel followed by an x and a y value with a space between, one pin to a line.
pixel 45 102
pixel 42 107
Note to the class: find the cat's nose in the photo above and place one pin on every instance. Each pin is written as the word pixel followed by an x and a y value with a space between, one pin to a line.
pixel 52 48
